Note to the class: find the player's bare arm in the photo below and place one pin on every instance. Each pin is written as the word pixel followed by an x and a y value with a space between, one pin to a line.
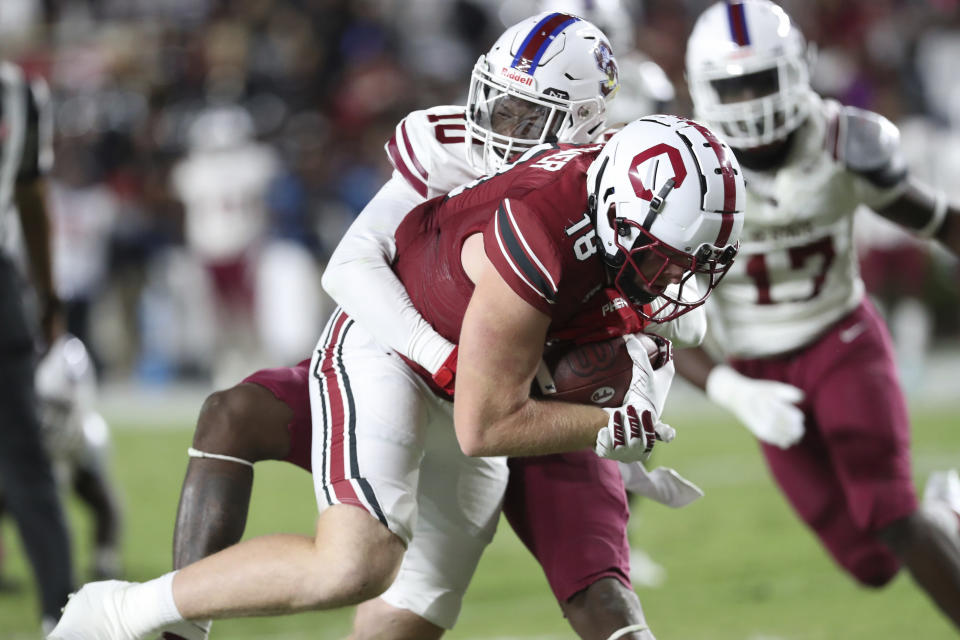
pixel 926 212
pixel 501 344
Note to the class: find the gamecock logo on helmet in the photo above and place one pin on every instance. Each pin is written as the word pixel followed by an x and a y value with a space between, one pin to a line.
pixel 654 152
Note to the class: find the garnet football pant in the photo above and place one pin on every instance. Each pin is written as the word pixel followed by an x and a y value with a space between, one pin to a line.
pixel 850 474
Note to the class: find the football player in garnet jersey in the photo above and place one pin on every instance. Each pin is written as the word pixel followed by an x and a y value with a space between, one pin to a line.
pixel 498 266
pixel 809 367
pixel 565 95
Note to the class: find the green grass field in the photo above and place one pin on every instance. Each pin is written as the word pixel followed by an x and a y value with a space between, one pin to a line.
pixel 740 567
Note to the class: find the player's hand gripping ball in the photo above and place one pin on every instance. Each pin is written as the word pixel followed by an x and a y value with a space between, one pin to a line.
pixel 597 373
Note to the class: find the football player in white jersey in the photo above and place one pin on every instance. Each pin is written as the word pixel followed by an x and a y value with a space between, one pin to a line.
pixel 267 416
pixel 809 368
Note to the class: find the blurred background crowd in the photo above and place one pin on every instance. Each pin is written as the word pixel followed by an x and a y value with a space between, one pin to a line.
pixel 210 153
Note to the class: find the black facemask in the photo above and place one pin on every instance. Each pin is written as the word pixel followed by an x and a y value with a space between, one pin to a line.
pixel 769 156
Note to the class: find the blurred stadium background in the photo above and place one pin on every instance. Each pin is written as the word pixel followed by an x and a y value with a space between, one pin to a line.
pixel 210 153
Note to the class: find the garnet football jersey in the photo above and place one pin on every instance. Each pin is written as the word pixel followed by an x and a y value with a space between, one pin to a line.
pixel 537 234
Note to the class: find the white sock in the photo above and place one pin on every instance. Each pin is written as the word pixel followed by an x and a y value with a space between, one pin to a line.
pixel 148 607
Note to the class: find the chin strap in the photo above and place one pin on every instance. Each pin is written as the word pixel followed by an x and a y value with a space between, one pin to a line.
pixel 196 453
pixel 620 633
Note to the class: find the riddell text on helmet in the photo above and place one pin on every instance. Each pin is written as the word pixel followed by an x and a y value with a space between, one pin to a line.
pixel 516 76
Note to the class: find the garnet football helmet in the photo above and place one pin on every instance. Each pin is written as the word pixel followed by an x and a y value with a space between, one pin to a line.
pixel 668 196
pixel 547 78
pixel 748 72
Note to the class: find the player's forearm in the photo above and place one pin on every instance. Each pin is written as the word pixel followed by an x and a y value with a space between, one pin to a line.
pixel 928 213
pixel 536 428
pixel 694 365
pixel 359 278
pixel 369 291
pixel 949 232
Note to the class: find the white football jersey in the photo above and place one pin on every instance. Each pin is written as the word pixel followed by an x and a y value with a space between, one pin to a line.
pixel 796 273
pixel 224 196
pixel 428 150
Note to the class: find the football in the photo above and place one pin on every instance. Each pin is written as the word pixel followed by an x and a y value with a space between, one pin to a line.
pixel 597 373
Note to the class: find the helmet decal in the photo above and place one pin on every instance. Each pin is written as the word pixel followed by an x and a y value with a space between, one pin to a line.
pixel 539 40
pixel 676 163
pixel 738 23
pixel 608 64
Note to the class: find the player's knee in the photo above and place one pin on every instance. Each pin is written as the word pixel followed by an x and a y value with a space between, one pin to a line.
pixel 873 568
pixel 376 618
pixel 346 581
pixel 235 422
pixel 603 607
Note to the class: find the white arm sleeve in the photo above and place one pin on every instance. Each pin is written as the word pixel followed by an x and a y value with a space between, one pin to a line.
pixel 360 280
pixel 689 329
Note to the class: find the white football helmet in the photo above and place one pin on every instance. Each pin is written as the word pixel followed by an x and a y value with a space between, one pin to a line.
pixel 748 72
pixel 644 86
pixel 547 78
pixel 668 196
pixel 610 16
pixel 66 388
pixel 221 128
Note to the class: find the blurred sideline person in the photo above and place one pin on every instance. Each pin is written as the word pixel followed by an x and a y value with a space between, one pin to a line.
pixel 267 416
pixel 26 475
pixel 498 266
pixel 262 292
pixel 77 439
pixel 809 363
pixel 644 89
pixel 78 442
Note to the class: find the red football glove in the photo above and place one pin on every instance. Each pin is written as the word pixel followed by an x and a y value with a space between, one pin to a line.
pixel 446 375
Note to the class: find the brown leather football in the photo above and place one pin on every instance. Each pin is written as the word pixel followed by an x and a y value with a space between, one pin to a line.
pixel 597 373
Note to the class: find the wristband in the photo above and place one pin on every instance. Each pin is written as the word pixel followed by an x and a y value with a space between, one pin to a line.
pixel 445 376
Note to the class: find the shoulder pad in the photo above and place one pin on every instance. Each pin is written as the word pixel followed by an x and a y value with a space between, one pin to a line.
pixel 870 146
pixel 405 156
pixel 423 145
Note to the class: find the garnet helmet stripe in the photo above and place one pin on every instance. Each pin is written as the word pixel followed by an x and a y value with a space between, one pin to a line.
pixel 539 40
pixel 729 182
pixel 738 23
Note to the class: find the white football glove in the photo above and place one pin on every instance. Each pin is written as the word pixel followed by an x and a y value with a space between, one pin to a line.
pixel 634 428
pixel 630 434
pixel 649 387
pixel 767 408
